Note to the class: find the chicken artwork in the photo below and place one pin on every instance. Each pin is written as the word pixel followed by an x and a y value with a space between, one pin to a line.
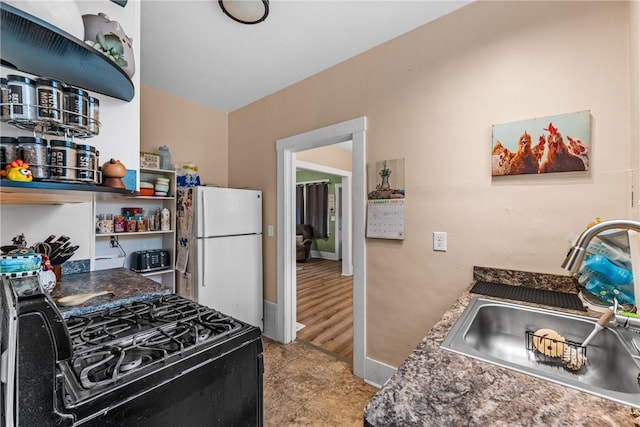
pixel 514 153
pixel 525 160
pixel 501 160
pixel 578 149
pixel 559 159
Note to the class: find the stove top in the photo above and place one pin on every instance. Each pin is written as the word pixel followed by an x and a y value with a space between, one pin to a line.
pixel 117 345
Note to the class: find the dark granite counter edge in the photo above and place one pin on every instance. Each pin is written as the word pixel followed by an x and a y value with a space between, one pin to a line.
pixel 436 387
pixel 127 285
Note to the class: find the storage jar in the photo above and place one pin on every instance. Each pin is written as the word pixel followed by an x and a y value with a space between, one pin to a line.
pixel 35 152
pixel 4 99
pixel 8 150
pixel 22 97
pixel 50 100
pixel 85 163
pixel 76 105
pixel 165 224
pixel 63 160
pixel 93 115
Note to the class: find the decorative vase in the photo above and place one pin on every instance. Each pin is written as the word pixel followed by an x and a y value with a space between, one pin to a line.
pixel 100 23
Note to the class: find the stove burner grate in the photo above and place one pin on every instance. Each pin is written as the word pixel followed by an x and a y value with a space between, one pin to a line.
pixel 119 343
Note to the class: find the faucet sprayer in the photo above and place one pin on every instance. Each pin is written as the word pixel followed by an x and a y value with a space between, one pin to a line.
pixel 577 252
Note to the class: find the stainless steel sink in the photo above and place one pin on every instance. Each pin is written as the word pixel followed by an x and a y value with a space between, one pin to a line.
pixel 495 332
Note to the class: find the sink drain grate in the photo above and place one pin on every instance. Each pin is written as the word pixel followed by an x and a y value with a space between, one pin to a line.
pixel 521 293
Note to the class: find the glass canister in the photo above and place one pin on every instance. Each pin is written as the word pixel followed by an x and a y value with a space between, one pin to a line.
pixel 97 171
pixel 85 162
pixel 4 99
pixel 63 160
pixel 93 115
pixel 22 97
pixel 8 150
pixel 76 105
pixel 165 224
pixel 50 100
pixel 35 152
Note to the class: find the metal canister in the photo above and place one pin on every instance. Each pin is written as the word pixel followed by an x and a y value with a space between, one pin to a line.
pixel 22 97
pixel 50 100
pixel 8 150
pixel 63 160
pixel 76 105
pixel 4 99
pixel 85 163
pixel 93 115
pixel 35 152
pixel 97 170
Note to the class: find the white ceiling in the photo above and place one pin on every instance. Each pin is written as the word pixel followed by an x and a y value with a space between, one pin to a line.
pixel 191 49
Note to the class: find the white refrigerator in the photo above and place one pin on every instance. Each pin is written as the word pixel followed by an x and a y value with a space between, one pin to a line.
pixel 224 250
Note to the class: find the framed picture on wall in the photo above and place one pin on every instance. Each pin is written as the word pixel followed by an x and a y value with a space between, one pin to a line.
pixel 560 143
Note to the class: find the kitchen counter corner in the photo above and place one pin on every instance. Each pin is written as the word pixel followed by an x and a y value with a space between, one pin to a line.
pixel 434 386
pixel 127 285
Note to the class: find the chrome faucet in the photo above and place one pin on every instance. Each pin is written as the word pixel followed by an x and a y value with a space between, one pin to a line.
pixel 577 252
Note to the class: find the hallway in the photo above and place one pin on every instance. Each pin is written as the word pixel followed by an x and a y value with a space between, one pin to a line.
pixel 325 307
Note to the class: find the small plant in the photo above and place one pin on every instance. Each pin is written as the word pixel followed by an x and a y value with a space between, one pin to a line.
pixel 109 45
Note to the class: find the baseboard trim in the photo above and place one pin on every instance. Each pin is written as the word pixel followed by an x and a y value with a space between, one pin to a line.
pixel 377 373
pixel 324 255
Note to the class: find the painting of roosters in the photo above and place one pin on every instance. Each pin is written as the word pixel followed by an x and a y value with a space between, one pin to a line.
pixel 514 154
pixel 559 159
pixel 524 161
pixel 501 161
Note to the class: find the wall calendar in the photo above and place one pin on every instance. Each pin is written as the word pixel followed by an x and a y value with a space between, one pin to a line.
pixel 385 219
pixel 386 195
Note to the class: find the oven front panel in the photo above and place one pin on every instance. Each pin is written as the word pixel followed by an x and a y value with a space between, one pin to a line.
pixel 221 388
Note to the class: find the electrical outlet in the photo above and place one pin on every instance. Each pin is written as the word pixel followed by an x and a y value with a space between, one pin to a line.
pixel 114 242
pixel 440 241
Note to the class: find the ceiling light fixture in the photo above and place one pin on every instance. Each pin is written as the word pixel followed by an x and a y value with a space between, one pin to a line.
pixel 245 11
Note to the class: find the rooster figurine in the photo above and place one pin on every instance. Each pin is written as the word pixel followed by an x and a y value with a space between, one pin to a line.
pixel 17 170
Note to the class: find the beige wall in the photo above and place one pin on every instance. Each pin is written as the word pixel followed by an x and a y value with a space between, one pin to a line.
pixel 431 97
pixel 327 156
pixel 194 133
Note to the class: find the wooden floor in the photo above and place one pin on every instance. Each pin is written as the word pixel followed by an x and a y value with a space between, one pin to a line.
pixel 325 307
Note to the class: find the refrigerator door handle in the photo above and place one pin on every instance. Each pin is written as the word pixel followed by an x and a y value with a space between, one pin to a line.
pixel 203 211
pixel 201 259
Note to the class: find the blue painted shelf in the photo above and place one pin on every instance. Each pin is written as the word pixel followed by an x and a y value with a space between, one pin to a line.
pixel 34 46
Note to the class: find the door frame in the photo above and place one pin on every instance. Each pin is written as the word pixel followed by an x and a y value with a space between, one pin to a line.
pixel 352 130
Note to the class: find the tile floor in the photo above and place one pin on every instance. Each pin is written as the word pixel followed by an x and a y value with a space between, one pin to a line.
pixel 307 387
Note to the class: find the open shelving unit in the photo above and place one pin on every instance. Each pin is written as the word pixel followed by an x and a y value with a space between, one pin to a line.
pixel 106 256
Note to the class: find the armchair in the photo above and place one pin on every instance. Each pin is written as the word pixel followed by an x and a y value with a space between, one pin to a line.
pixel 304 238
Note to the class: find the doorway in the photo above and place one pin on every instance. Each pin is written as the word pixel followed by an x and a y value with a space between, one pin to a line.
pixel 324 284
pixel 352 130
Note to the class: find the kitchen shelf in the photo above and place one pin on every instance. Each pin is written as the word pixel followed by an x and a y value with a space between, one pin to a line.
pixel 133 233
pixel 34 46
pixel 46 127
pixel 48 193
pixel 130 242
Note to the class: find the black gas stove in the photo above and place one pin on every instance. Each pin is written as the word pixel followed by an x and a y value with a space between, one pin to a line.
pixel 166 361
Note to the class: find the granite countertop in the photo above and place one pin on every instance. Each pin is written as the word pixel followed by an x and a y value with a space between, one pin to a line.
pixel 127 285
pixel 435 387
